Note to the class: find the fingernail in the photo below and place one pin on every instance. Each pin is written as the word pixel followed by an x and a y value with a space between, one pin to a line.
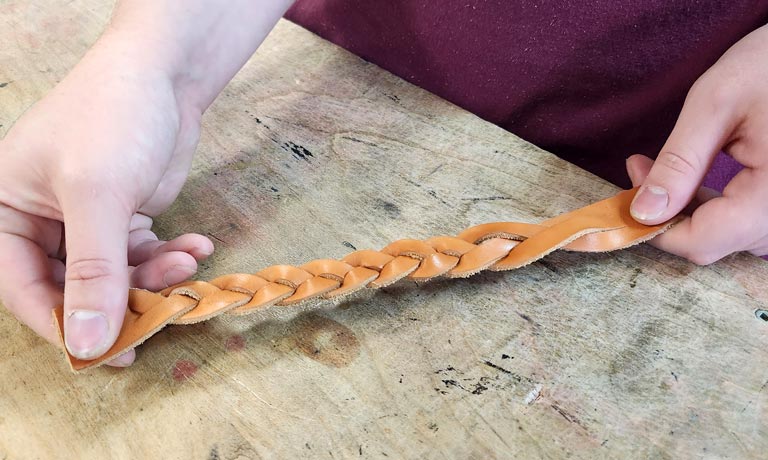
pixel 649 203
pixel 177 274
pixel 206 252
pixel 86 334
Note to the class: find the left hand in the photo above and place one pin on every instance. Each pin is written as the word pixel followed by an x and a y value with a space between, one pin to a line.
pixel 726 109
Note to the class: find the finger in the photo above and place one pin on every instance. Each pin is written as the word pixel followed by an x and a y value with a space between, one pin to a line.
pixel 96 284
pixel 30 290
pixel 143 245
pixel 140 221
pixel 198 246
pixel 124 360
pixel 701 130
pixel 57 270
pixel 722 225
pixel 638 167
pixel 164 270
pixel 26 286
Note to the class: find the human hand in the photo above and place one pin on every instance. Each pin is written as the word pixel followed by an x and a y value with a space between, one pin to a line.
pixel 82 174
pixel 726 109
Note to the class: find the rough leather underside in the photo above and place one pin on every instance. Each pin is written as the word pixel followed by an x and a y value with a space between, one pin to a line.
pixel 603 226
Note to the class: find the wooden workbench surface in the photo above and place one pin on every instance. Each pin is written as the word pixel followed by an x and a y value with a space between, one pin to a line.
pixel 312 152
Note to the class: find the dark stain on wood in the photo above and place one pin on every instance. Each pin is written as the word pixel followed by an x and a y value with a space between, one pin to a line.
pixel 299 151
pixel 637 356
pixel 256 119
pixel 391 209
pixel 324 340
pixel 183 370
pixel 494 366
pixel 475 388
pixel 235 343
pixel 548 265
pixel 685 302
pixel 453 378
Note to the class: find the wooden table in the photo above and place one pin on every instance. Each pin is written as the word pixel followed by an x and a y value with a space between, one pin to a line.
pixel 312 152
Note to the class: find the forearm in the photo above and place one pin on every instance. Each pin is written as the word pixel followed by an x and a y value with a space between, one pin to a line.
pixel 198 44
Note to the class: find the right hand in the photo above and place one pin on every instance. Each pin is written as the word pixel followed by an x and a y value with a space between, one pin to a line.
pixel 82 173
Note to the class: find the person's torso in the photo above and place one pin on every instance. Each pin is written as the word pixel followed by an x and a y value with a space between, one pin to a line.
pixel 590 81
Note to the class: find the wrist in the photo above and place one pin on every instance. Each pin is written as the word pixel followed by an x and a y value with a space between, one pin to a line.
pixel 145 58
pixel 198 45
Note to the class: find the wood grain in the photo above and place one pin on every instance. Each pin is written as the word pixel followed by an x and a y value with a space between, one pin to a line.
pixel 311 152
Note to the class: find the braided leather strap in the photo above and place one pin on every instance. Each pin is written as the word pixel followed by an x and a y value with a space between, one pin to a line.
pixel 603 226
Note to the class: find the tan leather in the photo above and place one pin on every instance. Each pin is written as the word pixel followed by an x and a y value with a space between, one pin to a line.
pixel 603 226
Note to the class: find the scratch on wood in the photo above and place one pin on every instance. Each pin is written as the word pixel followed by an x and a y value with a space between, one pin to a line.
pixel 533 395
pixel 738 441
pixel 255 395
pixel 488 198
pixel 359 141
pixel 492 428
pixel 569 417
pixel 566 415
pixel 216 238
pixel 109 384
pixel 433 194
pixel 438 168
pixel 749 403
pixel 517 377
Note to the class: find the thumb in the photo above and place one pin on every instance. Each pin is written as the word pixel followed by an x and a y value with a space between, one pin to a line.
pixel 96 227
pixel 700 132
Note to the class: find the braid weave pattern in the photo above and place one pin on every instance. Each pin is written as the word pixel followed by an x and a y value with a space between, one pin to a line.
pixel 603 226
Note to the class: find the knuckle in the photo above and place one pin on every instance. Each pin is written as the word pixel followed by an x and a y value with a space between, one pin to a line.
pixel 82 188
pixel 715 90
pixel 84 181
pixel 682 164
pixel 89 270
pixel 92 176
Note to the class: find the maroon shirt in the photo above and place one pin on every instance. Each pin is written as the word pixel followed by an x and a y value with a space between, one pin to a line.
pixel 592 81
